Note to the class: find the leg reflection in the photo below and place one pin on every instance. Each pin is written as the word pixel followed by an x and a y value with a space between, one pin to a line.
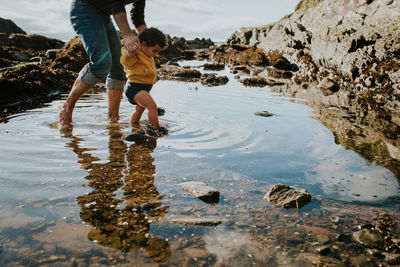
pixel 122 220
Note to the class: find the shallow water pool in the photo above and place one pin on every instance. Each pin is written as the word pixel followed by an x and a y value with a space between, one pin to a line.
pixel 89 197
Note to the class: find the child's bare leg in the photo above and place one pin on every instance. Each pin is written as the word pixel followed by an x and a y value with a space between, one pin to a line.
pixel 144 99
pixel 137 114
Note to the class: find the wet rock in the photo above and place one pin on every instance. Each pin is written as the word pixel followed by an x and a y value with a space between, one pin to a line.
pixel 71 57
pixel 244 56
pixel 34 41
pixel 264 113
pixel 202 191
pixel 32 81
pixel 160 111
pixel 211 79
pixel 279 62
pixel 152 131
pixel 260 82
pixel 240 68
pixel 136 137
pixel 194 220
pixel 322 239
pixel 328 86
pixel 392 258
pixel 214 67
pixel 360 260
pixel 318 260
pixel 288 197
pixel 20 56
pixel 177 73
pixel 172 53
pixel 369 237
pixel 323 250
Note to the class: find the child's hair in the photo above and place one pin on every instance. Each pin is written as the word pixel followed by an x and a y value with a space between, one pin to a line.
pixel 152 37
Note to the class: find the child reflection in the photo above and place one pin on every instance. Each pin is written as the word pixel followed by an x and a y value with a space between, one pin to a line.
pixel 122 222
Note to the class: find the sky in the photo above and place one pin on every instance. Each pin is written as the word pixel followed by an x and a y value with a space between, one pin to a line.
pixel 215 19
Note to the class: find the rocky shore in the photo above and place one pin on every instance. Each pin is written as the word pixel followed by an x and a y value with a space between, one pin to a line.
pixel 34 68
pixel 343 57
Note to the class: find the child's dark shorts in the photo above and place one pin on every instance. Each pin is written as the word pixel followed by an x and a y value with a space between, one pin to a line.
pixel 131 89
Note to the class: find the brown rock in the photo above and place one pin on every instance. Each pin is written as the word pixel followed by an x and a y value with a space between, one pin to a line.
pixel 288 197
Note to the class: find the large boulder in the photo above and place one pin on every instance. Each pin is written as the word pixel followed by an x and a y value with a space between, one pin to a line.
pixel 8 26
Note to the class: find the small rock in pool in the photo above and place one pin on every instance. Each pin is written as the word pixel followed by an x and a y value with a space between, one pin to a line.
pixel 288 196
pixel 264 113
pixel 202 191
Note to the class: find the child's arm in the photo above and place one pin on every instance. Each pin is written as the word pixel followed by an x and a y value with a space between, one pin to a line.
pixel 126 60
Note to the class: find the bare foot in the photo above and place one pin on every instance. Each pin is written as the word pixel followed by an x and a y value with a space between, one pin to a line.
pixel 64 119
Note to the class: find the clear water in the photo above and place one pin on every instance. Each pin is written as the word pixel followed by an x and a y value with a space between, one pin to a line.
pixel 89 197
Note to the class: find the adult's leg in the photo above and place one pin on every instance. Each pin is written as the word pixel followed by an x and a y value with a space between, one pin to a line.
pixel 144 99
pixel 89 23
pixel 116 77
pixel 66 109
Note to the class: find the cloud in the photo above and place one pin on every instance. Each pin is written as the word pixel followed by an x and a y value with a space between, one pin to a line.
pixel 185 18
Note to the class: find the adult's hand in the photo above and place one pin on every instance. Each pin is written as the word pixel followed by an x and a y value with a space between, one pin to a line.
pixel 131 42
pixel 132 45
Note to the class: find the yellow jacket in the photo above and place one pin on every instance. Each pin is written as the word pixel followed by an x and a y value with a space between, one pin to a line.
pixel 140 69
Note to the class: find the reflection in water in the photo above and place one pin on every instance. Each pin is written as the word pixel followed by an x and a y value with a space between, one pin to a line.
pixel 122 223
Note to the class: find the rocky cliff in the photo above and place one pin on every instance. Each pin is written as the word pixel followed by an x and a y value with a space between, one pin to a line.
pixel 345 59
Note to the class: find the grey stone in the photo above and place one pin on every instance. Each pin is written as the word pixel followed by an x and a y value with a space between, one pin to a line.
pixel 201 190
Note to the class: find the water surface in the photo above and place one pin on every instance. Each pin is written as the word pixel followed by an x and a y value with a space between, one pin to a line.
pixel 90 197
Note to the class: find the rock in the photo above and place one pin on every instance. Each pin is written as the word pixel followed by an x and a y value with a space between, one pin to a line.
pixel 8 26
pixel 149 130
pixel 160 111
pixel 177 73
pixel 240 67
pixel 322 239
pixel 20 56
pixel 323 250
pixel 369 237
pixel 243 56
pixel 392 258
pixel 264 113
pixel 194 220
pixel 318 260
pixel 72 56
pixel 32 81
pixel 201 190
pixel 328 87
pixel 34 41
pixel 214 66
pixel 281 63
pixel 140 138
pixel 213 80
pixel 288 197
pixel 260 82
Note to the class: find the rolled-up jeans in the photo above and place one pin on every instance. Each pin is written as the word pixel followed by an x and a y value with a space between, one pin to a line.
pixel 102 44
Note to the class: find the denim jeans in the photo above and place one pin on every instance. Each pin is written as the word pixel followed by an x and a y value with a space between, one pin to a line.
pixel 102 44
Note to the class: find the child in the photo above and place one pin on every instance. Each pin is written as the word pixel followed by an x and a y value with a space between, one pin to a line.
pixel 141 74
